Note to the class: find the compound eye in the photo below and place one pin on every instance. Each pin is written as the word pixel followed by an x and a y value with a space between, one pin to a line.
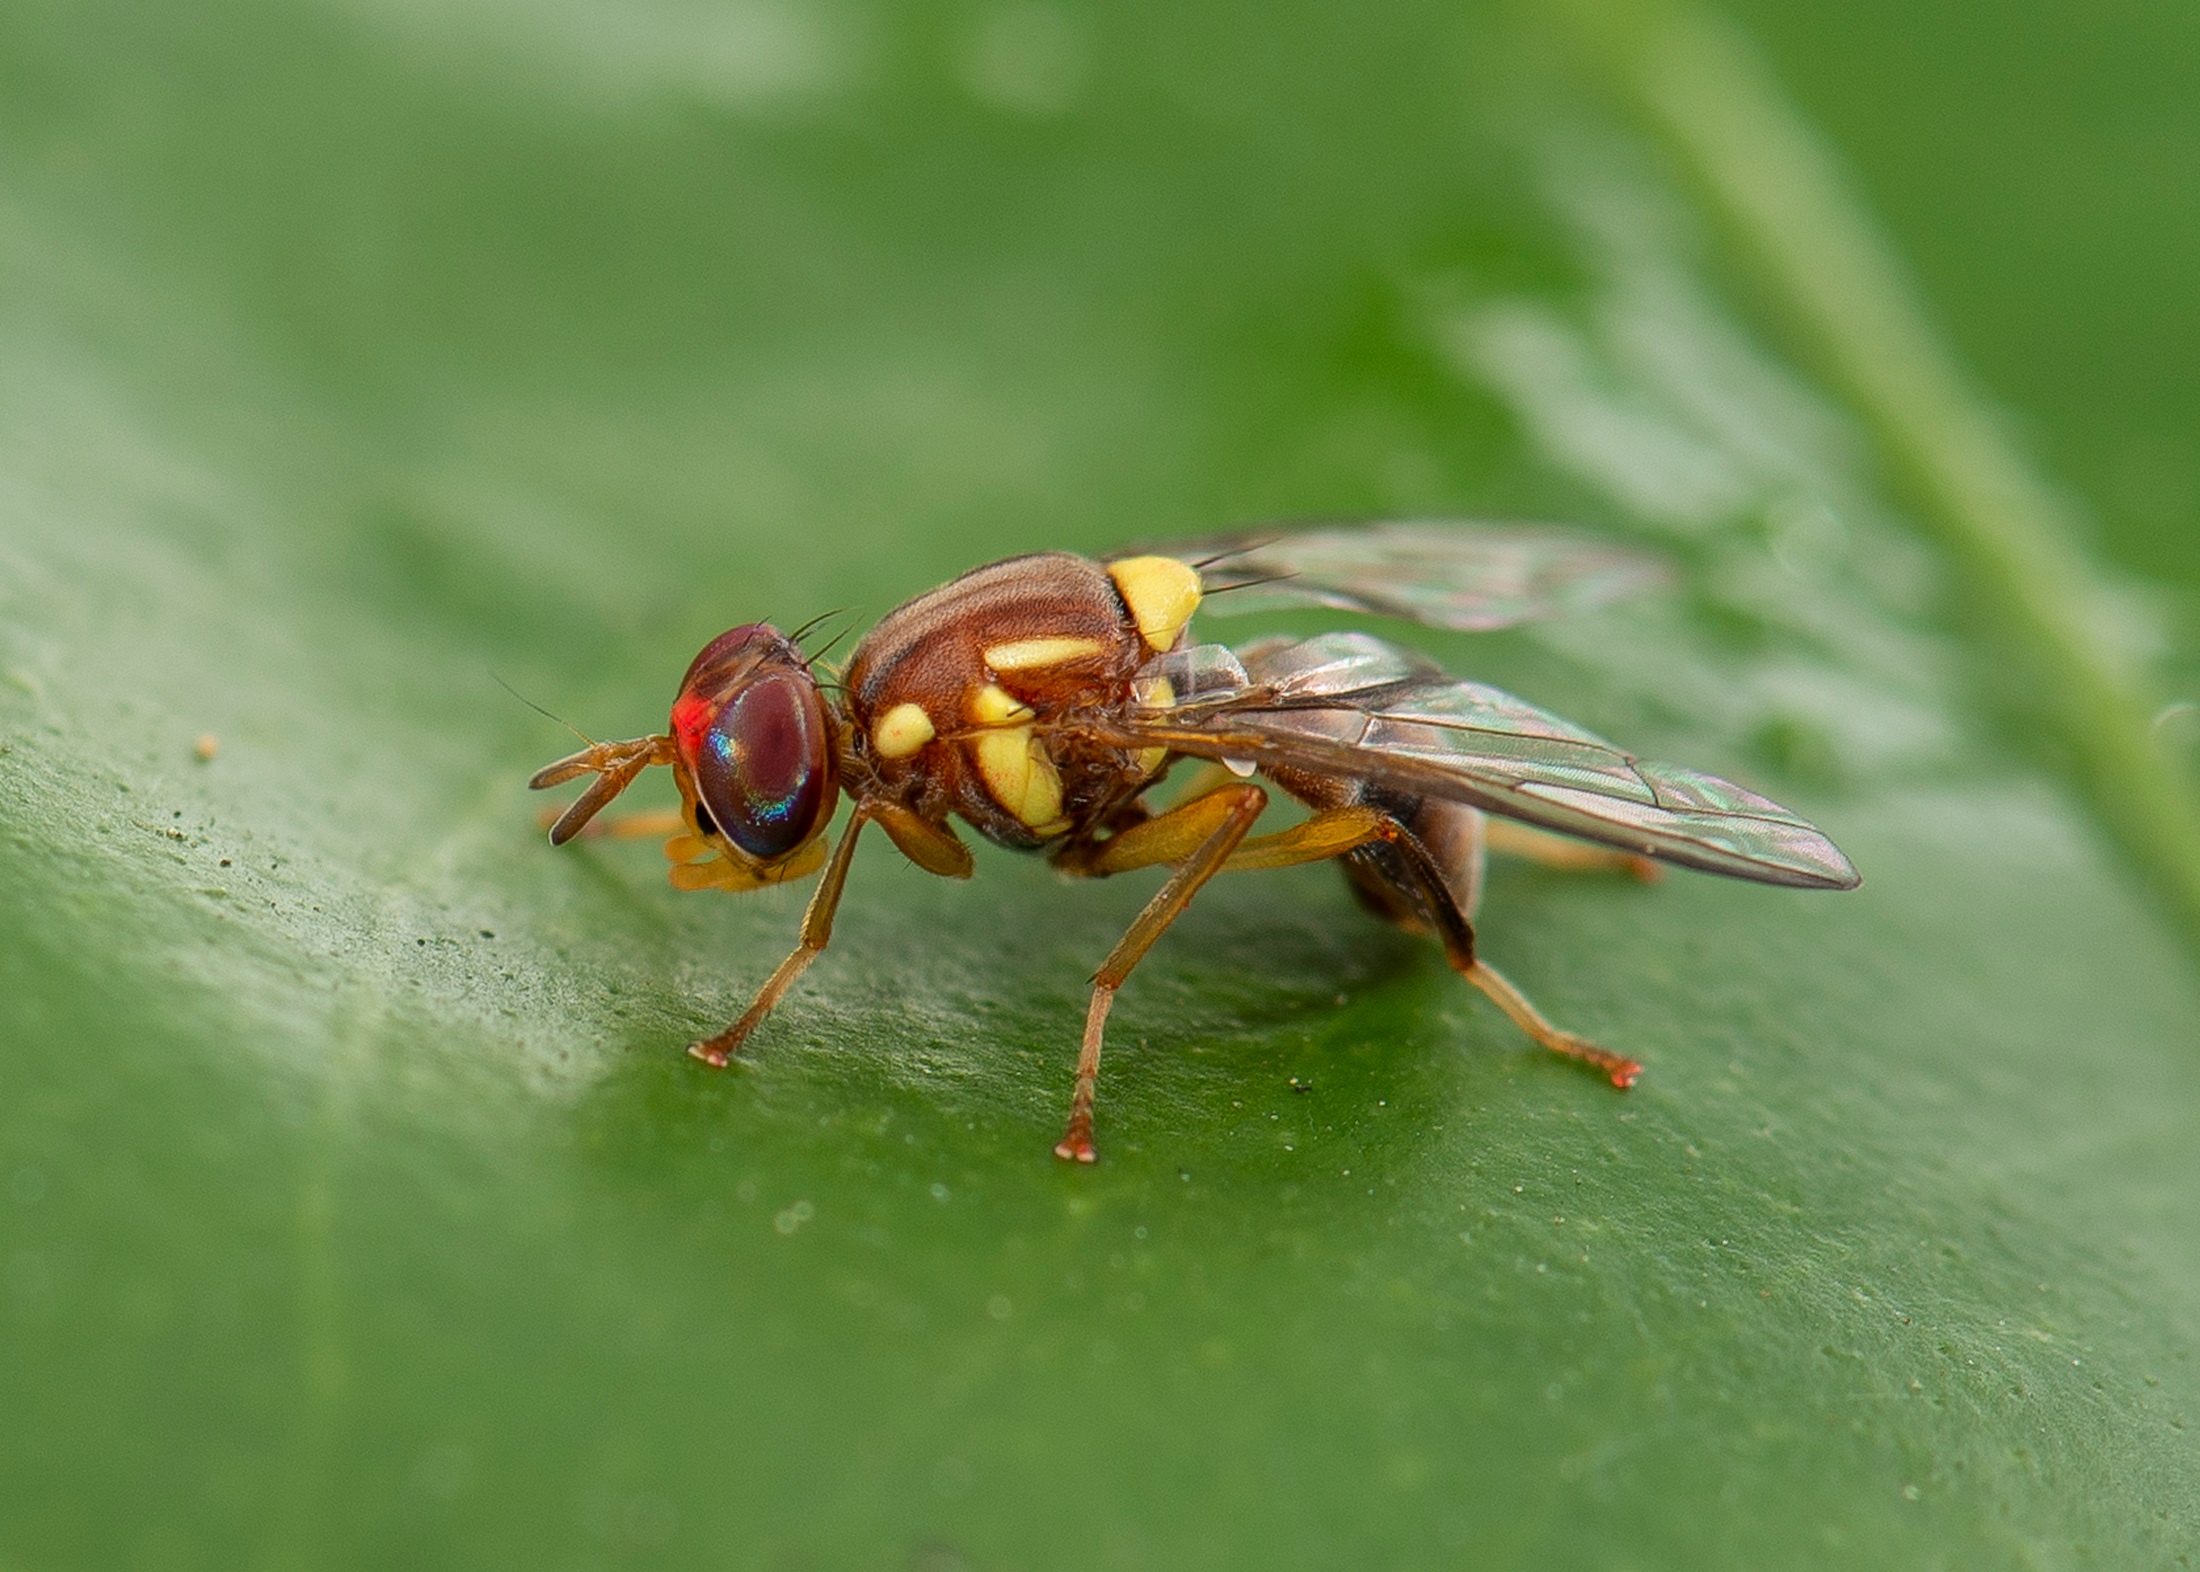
pixel 764 765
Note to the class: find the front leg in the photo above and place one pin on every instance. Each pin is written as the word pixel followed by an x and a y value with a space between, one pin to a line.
pixel 817 931
pixel 614 764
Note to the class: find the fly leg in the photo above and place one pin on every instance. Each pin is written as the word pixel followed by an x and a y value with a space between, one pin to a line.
pixel 1207 835
pixel 817 931
pixel 1561 851
pixel 1383 852
pixel 642 824
pixel 1529 1019
pixel 1403 865
pixel 614 764
pixel 1198 838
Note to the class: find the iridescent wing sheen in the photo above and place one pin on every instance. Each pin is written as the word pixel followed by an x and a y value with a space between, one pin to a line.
pixel 1445 573
pixel 1351 706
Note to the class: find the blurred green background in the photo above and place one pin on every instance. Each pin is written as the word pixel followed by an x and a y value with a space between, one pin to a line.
pixel 359 1207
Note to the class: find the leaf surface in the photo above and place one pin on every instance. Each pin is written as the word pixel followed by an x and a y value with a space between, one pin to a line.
pixel 361 1208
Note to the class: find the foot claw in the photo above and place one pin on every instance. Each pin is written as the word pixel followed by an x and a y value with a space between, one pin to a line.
pixel 711 1054
pixel 1624 1074
pixel 1075 1151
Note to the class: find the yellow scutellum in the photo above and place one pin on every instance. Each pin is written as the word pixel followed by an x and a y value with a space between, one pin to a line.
pixel 1161 592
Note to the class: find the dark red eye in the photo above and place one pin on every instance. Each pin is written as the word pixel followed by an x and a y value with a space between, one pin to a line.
pixel 731 653
pixel 763 765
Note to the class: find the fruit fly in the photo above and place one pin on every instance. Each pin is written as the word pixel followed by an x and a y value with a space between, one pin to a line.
pixel 1042 699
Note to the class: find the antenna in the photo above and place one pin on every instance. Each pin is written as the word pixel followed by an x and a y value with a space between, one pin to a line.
pixel 539 710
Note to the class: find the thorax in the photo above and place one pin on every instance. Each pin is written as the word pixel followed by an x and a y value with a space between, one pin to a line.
pixel 957 698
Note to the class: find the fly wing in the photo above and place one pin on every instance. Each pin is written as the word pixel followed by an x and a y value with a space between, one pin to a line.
pixel 1348 705
pixel 1445 573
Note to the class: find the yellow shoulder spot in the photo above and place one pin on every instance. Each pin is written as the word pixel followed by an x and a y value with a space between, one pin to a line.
pixel 901 731
pixel 992 706
pixel 1022 778
pixel 1031 654
pixel 1162 594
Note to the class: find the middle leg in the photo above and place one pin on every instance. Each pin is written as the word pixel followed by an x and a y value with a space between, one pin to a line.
pixel 1199 838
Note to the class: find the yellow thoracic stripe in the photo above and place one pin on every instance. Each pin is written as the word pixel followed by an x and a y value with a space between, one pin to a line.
pixel 1031 654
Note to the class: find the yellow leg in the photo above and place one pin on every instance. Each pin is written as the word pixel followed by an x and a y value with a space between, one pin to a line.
pixel 614 764
pixel 1560 851
pixel 1529 1019
pixel 643 824
pixel 933 847
pixel 1179 832
pixel 1207 776
pixel 817 931
pixel 1331 833
pixel 1328 834
pixel 1456 934
pixel 1199 838
pixel 1168 837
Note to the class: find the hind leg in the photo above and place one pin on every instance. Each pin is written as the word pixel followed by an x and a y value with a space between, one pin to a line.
pixel 1398 877
pixel 1563 851
pixel 1529 1019
pixel 1388 864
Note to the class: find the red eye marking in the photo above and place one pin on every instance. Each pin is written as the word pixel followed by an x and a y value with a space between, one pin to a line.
pixel 750 726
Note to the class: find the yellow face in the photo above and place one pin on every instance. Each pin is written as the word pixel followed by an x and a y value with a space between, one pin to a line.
pixel 701 862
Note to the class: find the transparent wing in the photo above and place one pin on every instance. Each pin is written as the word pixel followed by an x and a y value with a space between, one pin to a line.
pixel 1348 705
pixel 1445 573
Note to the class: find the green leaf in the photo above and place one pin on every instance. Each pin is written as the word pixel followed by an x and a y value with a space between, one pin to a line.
pixel 360 1207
